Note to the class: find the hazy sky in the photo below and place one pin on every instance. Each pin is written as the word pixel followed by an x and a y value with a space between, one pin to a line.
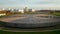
pixel 36 4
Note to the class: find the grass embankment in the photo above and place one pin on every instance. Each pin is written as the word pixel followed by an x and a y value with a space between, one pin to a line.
pixel 11 32
pixel 55 13
pixel 52 32
pixel 31 13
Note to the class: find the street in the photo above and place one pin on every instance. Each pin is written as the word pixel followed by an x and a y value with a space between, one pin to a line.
pixel 30 20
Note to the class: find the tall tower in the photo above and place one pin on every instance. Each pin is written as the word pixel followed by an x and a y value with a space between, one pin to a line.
pixel 26 9
pixel 9 8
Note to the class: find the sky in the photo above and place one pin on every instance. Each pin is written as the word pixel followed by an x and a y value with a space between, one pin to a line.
pixel 34 4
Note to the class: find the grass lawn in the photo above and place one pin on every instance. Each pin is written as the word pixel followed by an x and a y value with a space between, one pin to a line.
pixel 55 13
pixel 52 32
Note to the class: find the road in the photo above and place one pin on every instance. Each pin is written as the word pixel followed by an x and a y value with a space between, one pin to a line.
pixel 30 20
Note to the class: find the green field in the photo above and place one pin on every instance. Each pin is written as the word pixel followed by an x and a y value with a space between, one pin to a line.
pixel 52 32
pixel 55 13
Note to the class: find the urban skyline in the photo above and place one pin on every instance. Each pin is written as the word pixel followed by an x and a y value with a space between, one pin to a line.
pixel 36 4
